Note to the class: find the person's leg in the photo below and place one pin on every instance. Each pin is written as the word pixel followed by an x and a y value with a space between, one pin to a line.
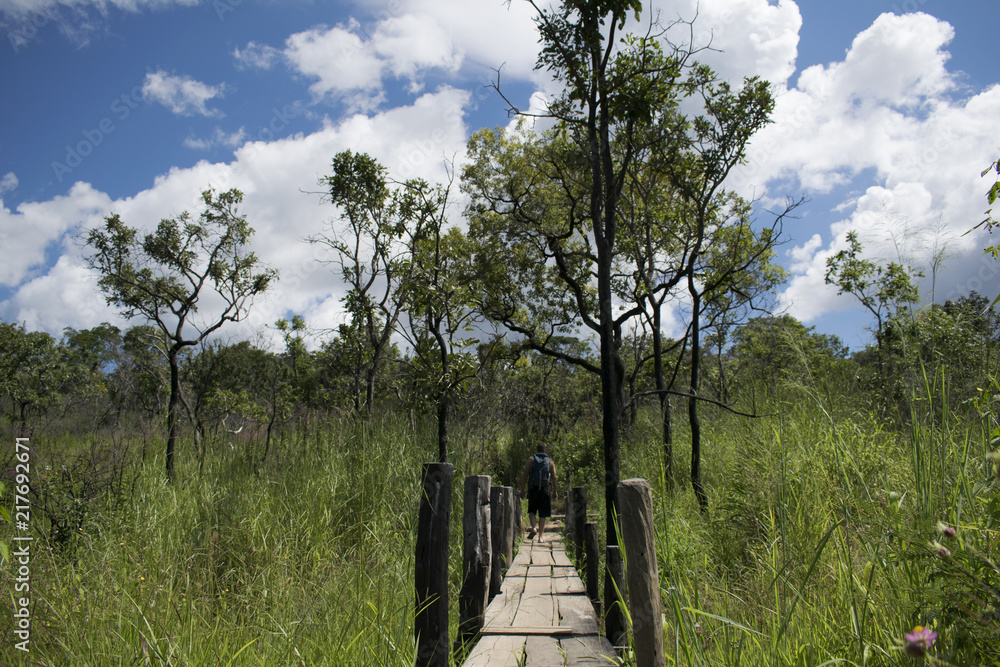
pixel 544 512
pixel 533 499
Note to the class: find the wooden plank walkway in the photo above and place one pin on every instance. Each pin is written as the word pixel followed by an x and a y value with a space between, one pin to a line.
pixel 542 615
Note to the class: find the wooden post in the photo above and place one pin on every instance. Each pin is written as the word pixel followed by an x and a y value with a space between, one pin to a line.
pixel 508 528
pixel 430 623
pixel 590 538
pixel 518 518
pixel 477 556
pixel 497 521
pixel 635 501
pixel 568 517
pixel 578 520
pixel 614 596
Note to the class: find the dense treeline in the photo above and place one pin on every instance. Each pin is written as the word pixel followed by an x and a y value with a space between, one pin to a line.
pixel 105 380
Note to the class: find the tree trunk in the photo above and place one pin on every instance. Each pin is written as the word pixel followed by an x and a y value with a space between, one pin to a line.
pixel 661 387
pixel 370 385
pixel 172 405
pixel 444 401
pixel 699 491
pixel 611 397
pixel 443 405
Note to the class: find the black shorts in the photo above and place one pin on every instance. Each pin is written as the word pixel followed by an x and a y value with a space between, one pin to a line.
pixel 539 502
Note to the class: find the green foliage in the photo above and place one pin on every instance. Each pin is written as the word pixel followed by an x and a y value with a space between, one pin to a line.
pixel 776 348
pixel 533 251
pixel 141 380
pixel 161 278
pixel 34 372
pixel 989 222
pixel 882 290
pixel 375 245
pixel 161 275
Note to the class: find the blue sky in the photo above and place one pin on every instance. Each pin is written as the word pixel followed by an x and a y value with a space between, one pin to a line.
pixel 886 114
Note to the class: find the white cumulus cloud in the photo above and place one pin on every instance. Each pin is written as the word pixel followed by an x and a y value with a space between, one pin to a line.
pixel 282 202
pixel 183 95
pixel 8 182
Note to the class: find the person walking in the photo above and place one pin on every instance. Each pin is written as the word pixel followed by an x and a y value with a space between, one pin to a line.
pixel 539 478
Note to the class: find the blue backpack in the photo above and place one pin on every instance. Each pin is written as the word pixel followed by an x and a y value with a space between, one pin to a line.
pixel 539 475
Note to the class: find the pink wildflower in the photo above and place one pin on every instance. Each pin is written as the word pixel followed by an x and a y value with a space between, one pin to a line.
pixel 945 529
pixel 940 549
pixel 918 641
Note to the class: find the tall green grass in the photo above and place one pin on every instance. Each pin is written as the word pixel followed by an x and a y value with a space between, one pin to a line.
pixel 824 541
pixel 828 537
pixel 307 560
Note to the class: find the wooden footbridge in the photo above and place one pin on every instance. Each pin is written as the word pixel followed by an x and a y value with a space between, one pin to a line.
pixel 542 615
pixel 540 612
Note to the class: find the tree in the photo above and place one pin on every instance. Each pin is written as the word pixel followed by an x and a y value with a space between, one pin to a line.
pixel 93 355
pixel 139 379
pixel 612 89
pixel 32 370
pixel 373 251
pixel 882 290
pixel 438 297
pixel 657 248
pixel 302 371
pixel 770 348
pixel 163 276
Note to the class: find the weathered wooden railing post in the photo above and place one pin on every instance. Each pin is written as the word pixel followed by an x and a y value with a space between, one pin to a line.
pixel 518 518
pixel 635 500
pixel 568 518
pixel 498 521
pixel 590 539
pixel 477 556
pixel 508 528
pixel 430 624
pixel 578 519
pixel 614 596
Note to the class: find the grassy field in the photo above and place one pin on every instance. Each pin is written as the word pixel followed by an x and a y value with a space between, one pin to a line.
pixel 829 537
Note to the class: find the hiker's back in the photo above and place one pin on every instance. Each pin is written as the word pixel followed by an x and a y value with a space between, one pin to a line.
pixel 539 476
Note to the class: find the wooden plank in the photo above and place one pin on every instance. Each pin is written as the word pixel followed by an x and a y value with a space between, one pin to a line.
pixel 568 586
pixel 547 630
pixel 577 613
pixel 542 652
pixel 499 651
pixel 541 555
pixel 560 559
pixel 543 616
pixel 588 650
pixel 502 610
pixel 536 604
pixel 512 586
